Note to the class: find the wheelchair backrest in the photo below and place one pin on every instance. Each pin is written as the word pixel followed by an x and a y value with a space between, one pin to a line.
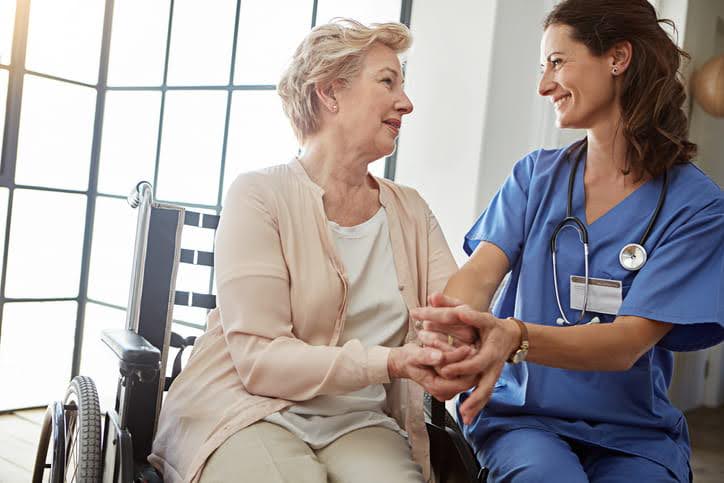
pixel 157 256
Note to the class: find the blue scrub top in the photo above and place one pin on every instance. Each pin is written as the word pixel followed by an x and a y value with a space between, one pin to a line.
pixel 681 283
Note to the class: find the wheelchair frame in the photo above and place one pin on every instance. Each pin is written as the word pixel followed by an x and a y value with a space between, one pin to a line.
pixel 142 349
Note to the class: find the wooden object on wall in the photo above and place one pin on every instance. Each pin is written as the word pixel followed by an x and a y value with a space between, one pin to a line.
pixel 707 85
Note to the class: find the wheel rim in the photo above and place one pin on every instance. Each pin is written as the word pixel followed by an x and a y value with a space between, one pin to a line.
pixel 71 441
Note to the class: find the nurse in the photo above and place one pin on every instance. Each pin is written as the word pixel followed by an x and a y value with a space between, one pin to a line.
pixel 576 357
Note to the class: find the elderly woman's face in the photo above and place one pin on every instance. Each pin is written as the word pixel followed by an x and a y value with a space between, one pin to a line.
pixel 372 105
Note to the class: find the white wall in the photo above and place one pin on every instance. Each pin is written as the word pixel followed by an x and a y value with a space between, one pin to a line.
pixel 472 75
pixel 701 33
pixel 447 79
pixel 704 39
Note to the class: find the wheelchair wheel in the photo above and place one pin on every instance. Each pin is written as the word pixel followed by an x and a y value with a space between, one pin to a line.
pixel 75 429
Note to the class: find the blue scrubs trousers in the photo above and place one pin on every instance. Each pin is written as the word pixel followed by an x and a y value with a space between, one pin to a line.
pixel 534 455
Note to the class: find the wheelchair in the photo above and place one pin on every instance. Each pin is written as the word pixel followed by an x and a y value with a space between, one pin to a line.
pixel 75 447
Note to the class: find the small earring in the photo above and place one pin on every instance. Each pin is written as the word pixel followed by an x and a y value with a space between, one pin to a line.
pixel 334 107
pixel 614 71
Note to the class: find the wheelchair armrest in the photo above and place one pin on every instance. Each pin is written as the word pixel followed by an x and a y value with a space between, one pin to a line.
pixel 132 349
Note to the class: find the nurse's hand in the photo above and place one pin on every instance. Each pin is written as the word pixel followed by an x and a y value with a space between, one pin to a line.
pixel 449 336
pixel 498 339
pixel 417 363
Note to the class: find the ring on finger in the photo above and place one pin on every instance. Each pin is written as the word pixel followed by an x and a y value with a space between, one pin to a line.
pixel 450 339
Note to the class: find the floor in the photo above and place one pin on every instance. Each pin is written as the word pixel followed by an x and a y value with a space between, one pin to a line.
pixel 19 433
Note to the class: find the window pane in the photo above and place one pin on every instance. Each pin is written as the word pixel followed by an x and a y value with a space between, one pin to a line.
pixel 96 359
pixel 56 134
pixel 36 370
pixel 367 11
pixel 261 57
pixel 114 234
pixel 64 38
pixel 7 23
pixel 46 242
pixel 138 42
pixel 201 40
pixel 128 116
pixel 3 101
pixel 193 134
pixel 259 134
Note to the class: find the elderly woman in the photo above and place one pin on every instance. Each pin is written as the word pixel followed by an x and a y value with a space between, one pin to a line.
pixel 309 370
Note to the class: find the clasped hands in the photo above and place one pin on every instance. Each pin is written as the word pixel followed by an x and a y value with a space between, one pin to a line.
pixel 458 348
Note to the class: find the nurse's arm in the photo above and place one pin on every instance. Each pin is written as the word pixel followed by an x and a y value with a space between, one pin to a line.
pixel 594 347
pixel 597 347
pixel 476 281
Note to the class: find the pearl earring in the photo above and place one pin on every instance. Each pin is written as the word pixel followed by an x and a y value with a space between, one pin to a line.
pixel 614 70
pixel 334 107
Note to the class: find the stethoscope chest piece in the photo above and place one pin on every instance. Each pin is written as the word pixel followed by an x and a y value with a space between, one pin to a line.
pixel 632 257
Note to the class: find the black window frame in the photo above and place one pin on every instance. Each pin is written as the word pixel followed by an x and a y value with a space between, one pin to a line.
pixel 8 159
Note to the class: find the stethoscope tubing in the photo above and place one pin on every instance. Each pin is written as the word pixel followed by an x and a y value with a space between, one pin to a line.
pixel 570 221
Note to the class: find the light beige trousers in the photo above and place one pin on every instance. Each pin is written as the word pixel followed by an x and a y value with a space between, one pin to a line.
pixel 267 453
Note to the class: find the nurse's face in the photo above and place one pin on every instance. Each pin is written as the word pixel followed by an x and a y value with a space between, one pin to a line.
pixel 579 85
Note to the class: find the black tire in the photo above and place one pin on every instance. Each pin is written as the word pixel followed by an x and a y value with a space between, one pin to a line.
pixel 73 428
pixel 82 432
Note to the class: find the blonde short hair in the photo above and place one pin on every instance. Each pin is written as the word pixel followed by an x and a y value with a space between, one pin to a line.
pixel 333 51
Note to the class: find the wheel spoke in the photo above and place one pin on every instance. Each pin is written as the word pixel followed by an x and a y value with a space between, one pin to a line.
pixel 75 469
pixel 72 441
pixel 72 461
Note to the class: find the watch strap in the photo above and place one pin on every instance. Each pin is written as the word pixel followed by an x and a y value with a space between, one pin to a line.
pixel 523 347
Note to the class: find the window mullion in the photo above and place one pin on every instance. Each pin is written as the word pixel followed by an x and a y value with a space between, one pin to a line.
pixel 15 92
pixel 92 184
pixel 12 126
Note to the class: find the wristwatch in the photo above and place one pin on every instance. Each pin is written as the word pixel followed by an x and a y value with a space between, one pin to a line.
pixel 521 353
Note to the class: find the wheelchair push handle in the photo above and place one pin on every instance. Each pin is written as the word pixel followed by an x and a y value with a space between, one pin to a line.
pixel 142 198
pixel 141 192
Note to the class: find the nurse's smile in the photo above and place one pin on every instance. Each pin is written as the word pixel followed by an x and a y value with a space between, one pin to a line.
pixel 560 101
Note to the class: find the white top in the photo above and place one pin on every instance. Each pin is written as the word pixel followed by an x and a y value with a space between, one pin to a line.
pixel 376 315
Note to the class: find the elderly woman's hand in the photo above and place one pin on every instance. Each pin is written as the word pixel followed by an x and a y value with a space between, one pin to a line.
pixel 417 363
pixel 498 339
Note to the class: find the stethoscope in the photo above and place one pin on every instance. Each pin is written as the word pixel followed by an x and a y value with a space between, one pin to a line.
pixel 632 256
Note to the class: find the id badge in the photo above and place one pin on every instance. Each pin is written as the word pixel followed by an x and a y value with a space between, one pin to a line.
pixel 604 296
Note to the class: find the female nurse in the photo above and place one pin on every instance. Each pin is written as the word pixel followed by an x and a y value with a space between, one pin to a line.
pixel 588 331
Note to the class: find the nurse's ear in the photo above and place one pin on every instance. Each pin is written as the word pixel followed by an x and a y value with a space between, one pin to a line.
pixel 619 57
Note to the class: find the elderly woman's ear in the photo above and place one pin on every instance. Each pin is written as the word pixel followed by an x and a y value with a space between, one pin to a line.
pixel 327 95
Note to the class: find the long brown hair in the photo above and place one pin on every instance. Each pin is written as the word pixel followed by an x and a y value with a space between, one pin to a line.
pixel 654 122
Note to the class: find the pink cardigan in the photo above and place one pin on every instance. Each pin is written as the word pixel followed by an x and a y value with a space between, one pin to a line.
pixel 282 295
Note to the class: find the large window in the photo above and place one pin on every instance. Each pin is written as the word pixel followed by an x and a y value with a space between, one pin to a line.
pixel 95 96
